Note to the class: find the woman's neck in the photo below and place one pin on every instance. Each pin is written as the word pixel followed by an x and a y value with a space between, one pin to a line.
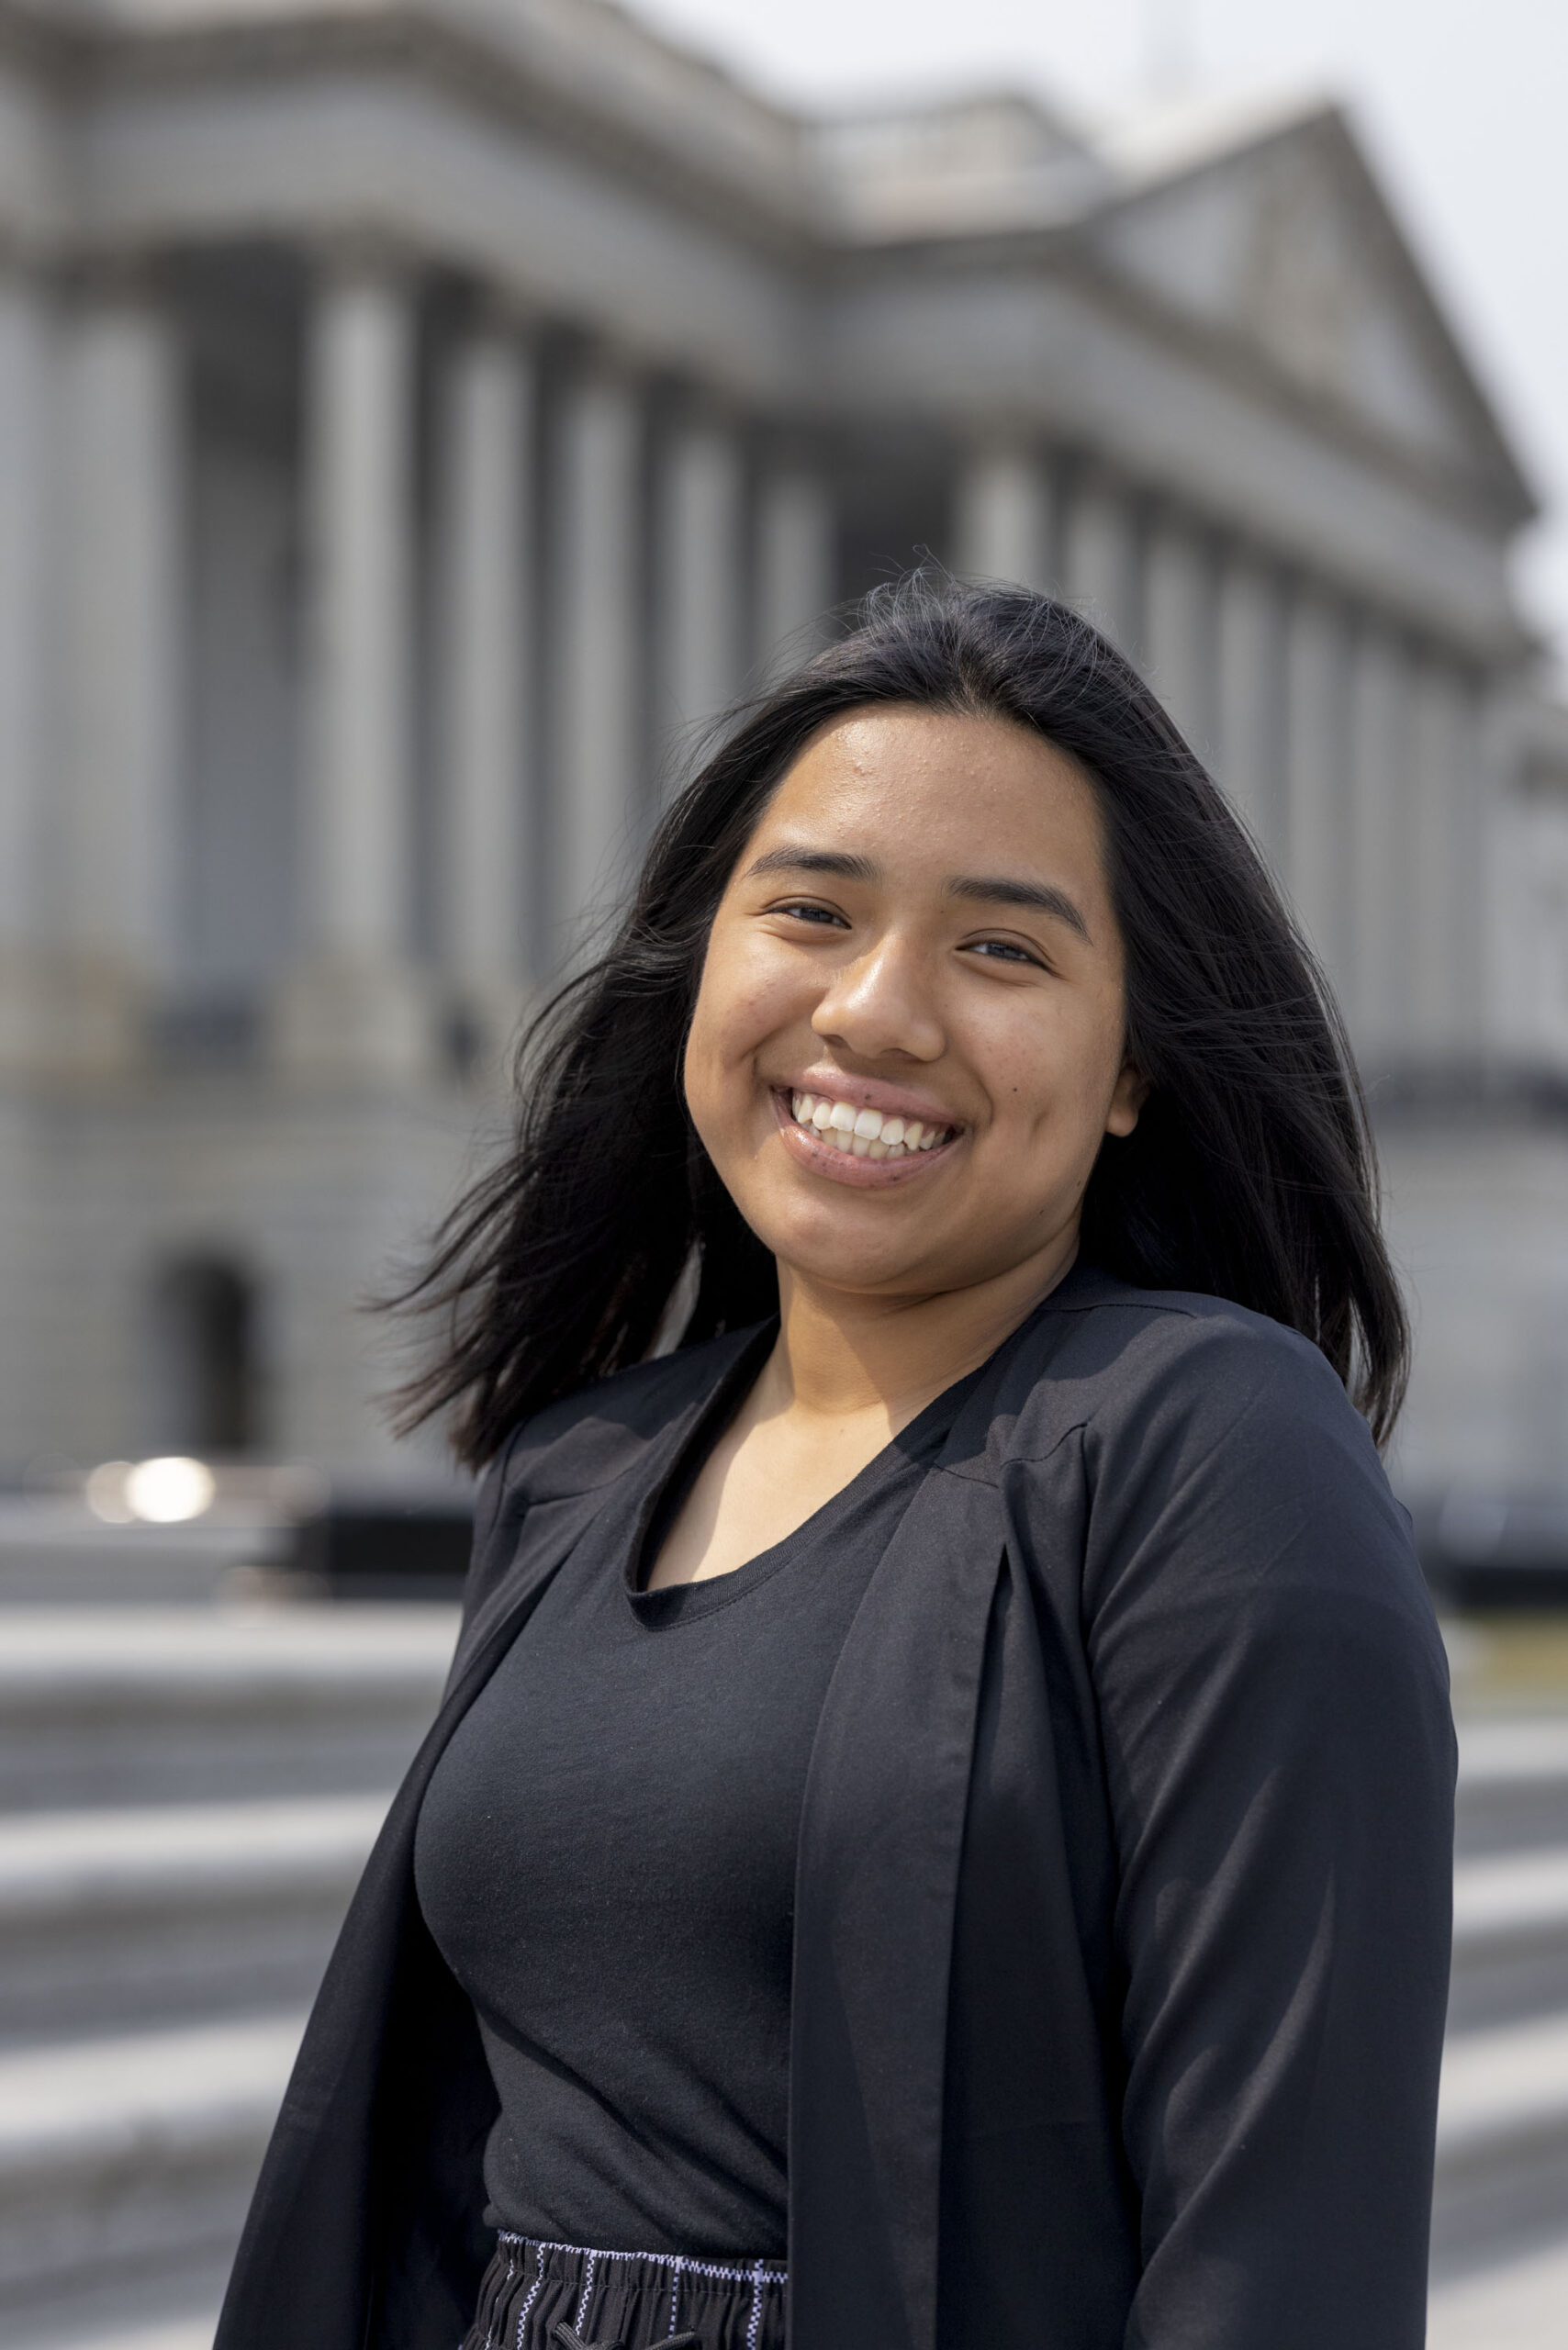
pixel 843 1356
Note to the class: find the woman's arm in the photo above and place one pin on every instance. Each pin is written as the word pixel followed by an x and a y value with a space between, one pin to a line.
pixel 1279 1761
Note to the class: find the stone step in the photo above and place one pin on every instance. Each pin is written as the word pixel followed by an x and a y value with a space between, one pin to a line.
pixel 119 2155
pixel 111 2333
pixel 149 1704
pixel 1510 1937
pixel 162 2312
pixel 1516 2303
pixel 1513 1785
pixel 1502 2138
pixel 123 2158
pixel 110 1918
pixel 56 1553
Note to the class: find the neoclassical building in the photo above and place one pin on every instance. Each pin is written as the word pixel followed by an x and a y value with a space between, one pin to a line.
pixel 418 416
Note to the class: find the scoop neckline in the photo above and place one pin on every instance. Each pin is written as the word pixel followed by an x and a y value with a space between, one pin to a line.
pixel 681 1602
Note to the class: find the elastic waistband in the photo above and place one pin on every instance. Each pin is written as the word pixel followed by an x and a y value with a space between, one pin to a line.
pixel 577 2276
pixel 717 2272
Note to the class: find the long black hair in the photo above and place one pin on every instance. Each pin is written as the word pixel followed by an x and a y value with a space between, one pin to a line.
pixel 1249 1175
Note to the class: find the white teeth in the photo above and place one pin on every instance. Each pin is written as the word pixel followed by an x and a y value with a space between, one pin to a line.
pixel 866 1133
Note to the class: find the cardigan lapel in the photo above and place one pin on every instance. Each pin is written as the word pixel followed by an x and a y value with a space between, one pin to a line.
pixel 881 1835
pixel 324 2180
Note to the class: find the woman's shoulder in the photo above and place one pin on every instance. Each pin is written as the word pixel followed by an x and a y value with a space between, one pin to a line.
pixel 1213 1435
pixel 590 1437
pixel 1120 1346
pixel 1168 1383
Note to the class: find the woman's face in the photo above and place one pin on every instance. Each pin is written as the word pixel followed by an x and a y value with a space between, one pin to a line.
pixel 908 1037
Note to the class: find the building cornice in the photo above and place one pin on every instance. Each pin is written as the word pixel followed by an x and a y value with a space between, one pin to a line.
pixel 1068 252
pixel 768 206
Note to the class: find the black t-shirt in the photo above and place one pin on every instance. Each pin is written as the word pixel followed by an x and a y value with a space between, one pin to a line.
pixel 606 1858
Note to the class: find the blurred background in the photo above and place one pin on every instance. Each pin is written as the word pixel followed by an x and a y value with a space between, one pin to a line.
pixel 416 417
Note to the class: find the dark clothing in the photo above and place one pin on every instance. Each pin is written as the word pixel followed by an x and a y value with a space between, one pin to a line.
pixel 606 1858
pixel 634 2300
pixel 1121 1896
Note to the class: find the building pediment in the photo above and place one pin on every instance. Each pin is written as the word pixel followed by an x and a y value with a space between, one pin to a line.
pixel 1277 237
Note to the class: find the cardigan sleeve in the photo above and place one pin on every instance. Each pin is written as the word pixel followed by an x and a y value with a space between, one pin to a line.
pixel 1279 1754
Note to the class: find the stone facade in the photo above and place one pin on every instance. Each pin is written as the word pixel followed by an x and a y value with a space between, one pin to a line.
pixel 416 420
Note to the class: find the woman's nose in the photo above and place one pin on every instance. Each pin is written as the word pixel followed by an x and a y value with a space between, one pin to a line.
pixel 881 1004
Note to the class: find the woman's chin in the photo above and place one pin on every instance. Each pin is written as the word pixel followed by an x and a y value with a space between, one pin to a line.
pixel 848 1260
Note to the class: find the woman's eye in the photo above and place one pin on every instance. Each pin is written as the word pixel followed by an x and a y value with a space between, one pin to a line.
pixel 822 914
pixel 1003 950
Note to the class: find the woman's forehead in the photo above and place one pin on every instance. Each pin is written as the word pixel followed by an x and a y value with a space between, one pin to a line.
pixel 917 788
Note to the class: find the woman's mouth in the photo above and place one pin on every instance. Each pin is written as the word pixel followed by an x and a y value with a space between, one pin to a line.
pixel 858 1134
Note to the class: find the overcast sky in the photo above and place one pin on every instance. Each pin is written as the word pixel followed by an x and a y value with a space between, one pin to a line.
pixel 1464 109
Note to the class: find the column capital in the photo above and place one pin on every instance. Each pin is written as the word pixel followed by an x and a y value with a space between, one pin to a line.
pixel 789 445
pixel 25 261
pixel 139 276
pixel 695 401
pixel 496 313
pixel 378 255
pixel 1003 431
pixel 604 359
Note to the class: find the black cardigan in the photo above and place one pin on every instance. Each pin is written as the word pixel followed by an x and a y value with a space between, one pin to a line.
pixel 1122 1915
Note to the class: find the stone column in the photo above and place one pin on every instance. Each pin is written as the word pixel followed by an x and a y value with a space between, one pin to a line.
pixel 1249 715
pixel 485 685
pixel 1377 989
pixel 1178 618
pixel 1003 523
pixel 1445 853
pixel 119 682
pixel 699 609
pixel 1317 857
pixel 596 682
pixel 354 1004
pixel 1098 557
pixel 795 582
pixel 27 423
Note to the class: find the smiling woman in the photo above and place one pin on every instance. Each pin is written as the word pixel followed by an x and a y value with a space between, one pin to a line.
pixel 938 1834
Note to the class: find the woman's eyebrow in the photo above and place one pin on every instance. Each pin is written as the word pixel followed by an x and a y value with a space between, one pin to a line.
pixel 1044 897
pixel 793 859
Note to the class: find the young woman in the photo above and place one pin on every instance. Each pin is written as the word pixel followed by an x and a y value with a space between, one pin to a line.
pixel 938 1834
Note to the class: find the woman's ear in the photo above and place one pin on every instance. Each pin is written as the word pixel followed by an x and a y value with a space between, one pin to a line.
pixel 1132 1091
